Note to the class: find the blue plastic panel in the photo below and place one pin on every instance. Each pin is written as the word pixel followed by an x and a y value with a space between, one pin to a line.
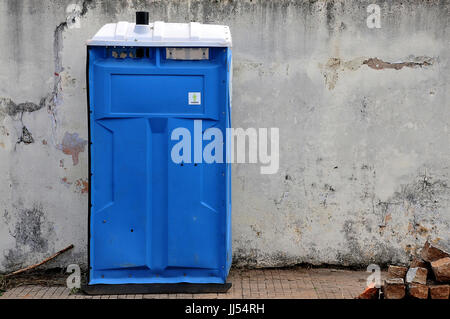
pixel 153 220
pixel 127 98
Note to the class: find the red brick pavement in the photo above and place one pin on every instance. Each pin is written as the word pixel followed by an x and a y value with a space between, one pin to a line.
pixel 295 283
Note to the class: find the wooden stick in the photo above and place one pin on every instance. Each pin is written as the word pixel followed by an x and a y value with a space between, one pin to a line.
pixel 38 264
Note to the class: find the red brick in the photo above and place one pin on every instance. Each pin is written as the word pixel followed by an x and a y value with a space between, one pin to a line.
pixel 418 291
pixel 397 272
pixel 369 293
pixel 440 292
pixel 418 262
pixel 394 288
pixel 417 275
pixel 431 252
pixel 441 269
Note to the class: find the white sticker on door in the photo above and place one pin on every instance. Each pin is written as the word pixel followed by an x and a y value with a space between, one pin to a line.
pixel 195 98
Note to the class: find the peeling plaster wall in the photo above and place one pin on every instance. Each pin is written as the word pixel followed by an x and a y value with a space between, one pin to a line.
pixel 363 113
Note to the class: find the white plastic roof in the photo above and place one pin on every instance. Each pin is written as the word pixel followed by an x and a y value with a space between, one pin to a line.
pixel 159 33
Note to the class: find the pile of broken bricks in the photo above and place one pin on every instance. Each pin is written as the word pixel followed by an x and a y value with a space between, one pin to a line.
pixel 428 277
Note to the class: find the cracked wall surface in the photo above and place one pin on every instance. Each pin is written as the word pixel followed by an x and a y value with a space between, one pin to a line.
pixel 363 113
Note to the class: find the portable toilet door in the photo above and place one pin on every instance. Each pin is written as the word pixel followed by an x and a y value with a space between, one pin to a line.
pixel 160 186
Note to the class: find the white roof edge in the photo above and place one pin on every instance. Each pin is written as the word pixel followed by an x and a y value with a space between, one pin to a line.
pixel 161 34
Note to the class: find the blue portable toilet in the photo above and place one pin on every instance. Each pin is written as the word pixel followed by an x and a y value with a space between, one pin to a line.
pixel 159 210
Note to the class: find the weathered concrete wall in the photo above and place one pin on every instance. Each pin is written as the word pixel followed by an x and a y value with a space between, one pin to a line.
pixel 364 143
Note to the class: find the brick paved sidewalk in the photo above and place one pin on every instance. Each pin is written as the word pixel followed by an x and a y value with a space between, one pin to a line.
pixel 298 283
